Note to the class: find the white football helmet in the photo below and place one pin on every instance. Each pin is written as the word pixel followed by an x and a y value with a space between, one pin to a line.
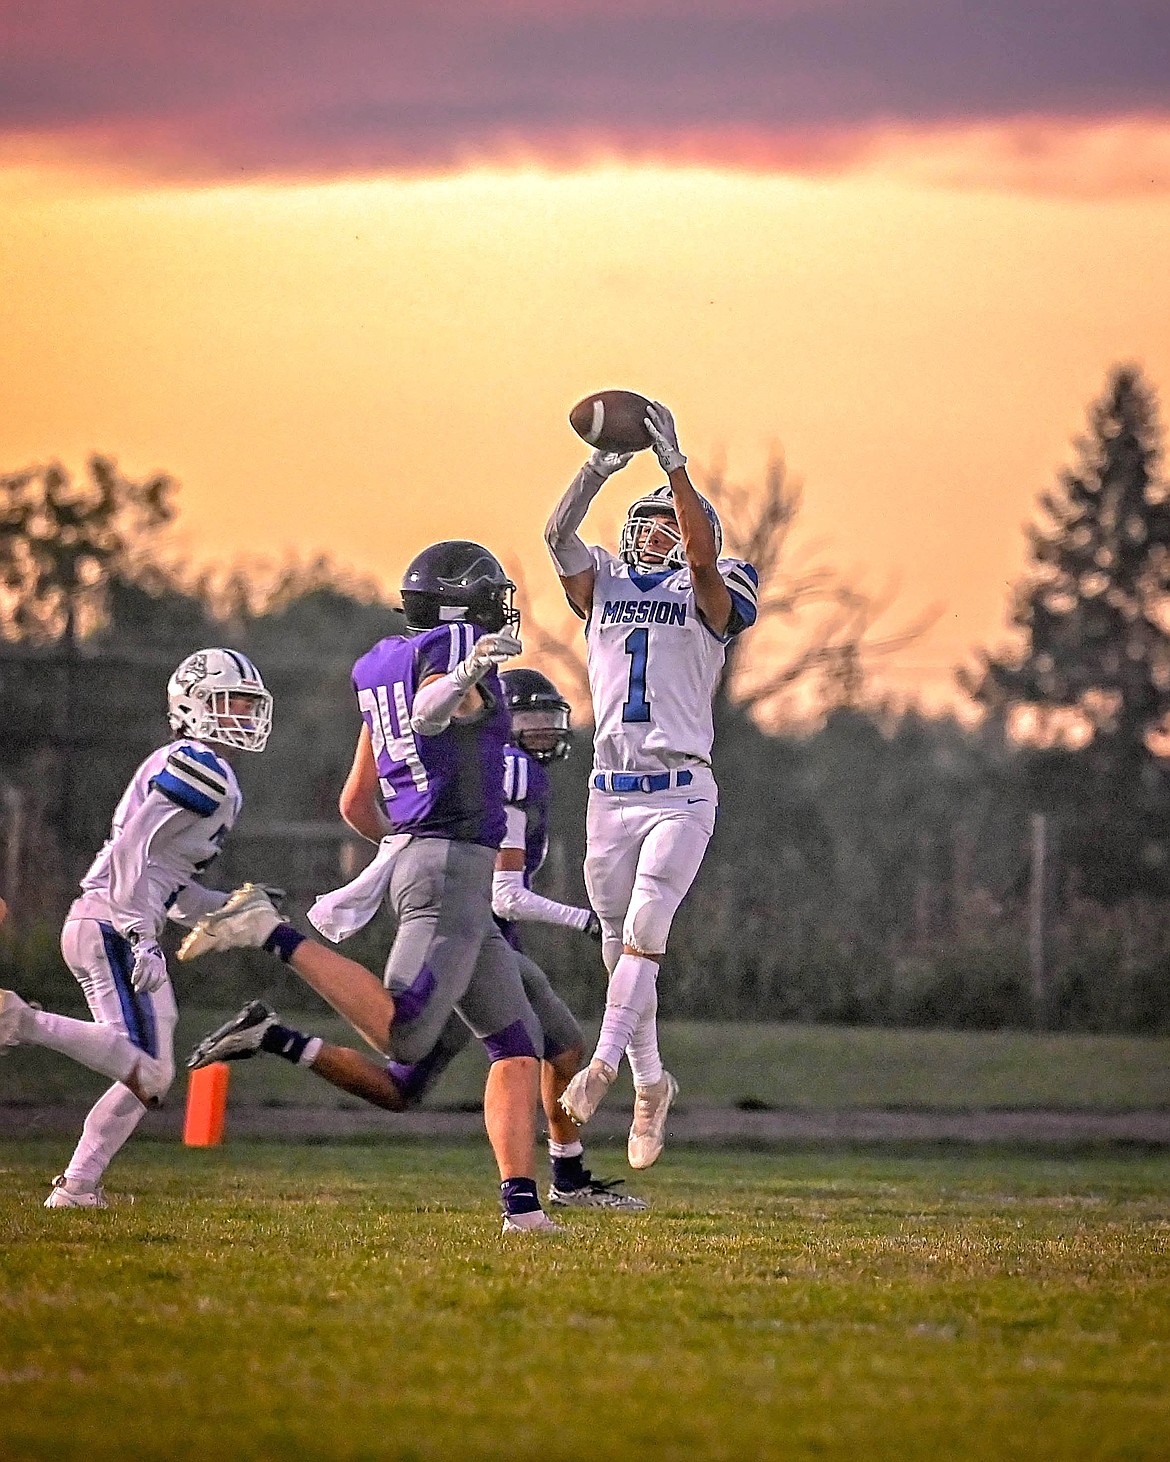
pixel 645 517
pixel 218 695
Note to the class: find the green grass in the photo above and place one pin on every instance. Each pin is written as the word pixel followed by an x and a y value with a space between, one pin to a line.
pixel 350 1301
pixel 795 1066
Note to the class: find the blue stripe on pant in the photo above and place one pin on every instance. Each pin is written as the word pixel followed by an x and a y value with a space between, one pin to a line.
pixel 137 1011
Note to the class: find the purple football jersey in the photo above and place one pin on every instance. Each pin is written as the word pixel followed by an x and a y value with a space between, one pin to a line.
pixel 445 786
pixel 527 786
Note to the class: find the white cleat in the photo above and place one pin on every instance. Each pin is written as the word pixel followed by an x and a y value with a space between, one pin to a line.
pixel 530 1223
pixel 12 1013
pixel 648 1129
pixel 244 922
pixel 582 1097
pixel 67 1194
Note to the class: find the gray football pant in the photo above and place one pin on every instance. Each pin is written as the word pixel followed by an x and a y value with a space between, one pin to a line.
pixel 558 1025
pixel 449 954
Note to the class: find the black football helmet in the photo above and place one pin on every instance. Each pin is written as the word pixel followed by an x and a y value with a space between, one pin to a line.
pixel 540 714
pixel 457 580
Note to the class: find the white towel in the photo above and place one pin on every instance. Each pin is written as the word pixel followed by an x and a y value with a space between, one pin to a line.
pixel 343 912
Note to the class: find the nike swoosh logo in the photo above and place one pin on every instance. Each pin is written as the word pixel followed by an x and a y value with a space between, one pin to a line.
pixel 692 800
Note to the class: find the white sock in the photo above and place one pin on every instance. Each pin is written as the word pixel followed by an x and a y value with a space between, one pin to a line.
pixel 565 1149
pixel 111 1120
pixel 631 991
pixel 100 1047
pixel 645 1061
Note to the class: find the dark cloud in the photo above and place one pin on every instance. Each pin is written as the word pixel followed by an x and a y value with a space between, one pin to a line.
pixel 318 87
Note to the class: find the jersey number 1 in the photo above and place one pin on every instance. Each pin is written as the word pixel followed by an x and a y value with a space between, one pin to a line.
pixel 637 707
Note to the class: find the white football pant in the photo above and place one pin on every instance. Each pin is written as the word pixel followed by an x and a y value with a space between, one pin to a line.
pixel 643 850
pixel 130 1035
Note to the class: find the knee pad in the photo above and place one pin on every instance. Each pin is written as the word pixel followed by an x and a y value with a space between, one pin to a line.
pixel 154 1077
pixel 516 1039
pixel 647 926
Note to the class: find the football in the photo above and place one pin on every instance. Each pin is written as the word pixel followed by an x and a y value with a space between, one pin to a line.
pixel 613 421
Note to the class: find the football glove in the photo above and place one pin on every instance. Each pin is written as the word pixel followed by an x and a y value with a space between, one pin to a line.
pixel 605 464
pixel 490 650
pixel 149 971
pixel 664 437
pixel 593 928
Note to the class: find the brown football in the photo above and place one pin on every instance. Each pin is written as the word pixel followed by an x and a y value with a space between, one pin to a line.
pixel 613 421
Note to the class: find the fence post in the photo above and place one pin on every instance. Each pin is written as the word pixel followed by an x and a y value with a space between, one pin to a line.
pixel 1038 918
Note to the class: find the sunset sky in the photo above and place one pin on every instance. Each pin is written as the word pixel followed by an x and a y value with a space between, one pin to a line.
pixel 342 268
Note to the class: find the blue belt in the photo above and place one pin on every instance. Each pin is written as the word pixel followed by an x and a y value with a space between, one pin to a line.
pixel 634 782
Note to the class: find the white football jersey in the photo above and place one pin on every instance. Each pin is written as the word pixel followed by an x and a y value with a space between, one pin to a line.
pixel 154 852
pixel 654 666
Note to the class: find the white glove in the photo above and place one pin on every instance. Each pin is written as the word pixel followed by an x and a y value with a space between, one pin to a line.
pixel 664 437
pixel 490 650
pixel 149 971
pixel 605 464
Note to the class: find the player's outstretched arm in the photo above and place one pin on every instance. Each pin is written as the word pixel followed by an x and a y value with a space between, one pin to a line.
pixel 512 899
pixel 572 559
pixel 456 696
pixel 712 597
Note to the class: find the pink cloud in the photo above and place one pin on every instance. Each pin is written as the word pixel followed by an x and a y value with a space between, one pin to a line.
pixel 226 89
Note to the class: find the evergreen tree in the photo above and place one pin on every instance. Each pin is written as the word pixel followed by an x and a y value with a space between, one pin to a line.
pixel 1095 658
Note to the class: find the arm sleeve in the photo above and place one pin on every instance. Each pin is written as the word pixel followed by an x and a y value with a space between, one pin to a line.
pixel 511 900
pixel 569 554
pixel 195 902
pixel 157 820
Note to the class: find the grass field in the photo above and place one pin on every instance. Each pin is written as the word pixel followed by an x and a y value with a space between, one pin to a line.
pixel 805 1067
pixel 356 1300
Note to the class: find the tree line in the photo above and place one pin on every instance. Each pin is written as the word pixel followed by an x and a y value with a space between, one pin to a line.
pixel 875 865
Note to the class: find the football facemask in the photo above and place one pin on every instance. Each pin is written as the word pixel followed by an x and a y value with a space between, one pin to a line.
pixel 543 734
pixel 651 541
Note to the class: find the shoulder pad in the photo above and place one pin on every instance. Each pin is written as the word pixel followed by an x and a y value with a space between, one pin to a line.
pixel 195 778
pixel 743 583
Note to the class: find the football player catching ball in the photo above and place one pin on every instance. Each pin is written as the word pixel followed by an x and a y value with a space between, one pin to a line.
pixel 658 617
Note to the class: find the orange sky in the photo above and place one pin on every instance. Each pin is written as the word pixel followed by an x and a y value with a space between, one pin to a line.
pixel 362 367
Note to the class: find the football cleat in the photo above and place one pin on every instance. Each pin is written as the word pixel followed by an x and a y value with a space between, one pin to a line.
pixel 648 1129
pixel 530 1223
pixel 244 922
pixel 67 1194
pixel 581 1098
pixel 12 1013
pixel 595 1193
pixel 237 1039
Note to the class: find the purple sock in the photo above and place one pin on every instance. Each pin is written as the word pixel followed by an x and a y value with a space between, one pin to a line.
pixel 284 941
pixel 518 1195
pixel 283 1040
